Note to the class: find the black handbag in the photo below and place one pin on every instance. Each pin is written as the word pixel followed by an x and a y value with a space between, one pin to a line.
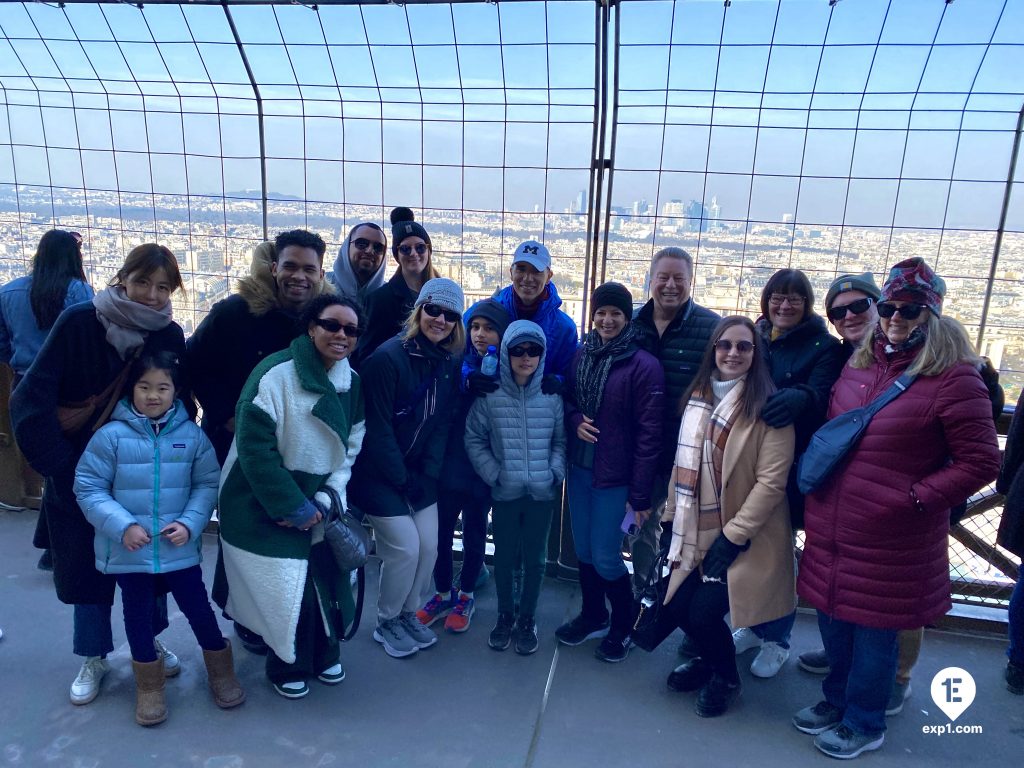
pixel 348 539
pixel 836 438
pixel 653 623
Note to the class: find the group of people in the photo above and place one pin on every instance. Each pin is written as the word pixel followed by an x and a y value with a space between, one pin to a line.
pixel 667 424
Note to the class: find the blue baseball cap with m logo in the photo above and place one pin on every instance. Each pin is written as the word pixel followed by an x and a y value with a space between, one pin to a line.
pixel 533 253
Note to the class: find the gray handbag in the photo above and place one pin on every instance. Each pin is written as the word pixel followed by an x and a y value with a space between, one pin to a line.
pixel 348 539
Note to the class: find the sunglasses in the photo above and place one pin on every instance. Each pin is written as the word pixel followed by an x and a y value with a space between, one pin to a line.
pixel 365 245
pixel 776 300
pixel 406 250
pixel 435 311
pixel 530 350
pixel 743 347
pixel 858 307
pixel 907 311
pixel 331 325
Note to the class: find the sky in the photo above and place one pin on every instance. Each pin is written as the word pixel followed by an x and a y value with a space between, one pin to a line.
pixel 769 107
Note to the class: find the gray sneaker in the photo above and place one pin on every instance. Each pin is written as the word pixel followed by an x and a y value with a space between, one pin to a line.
pixel 900 693
pixel 843 743
pixel 819 718
pixel 424 637
pixel 396 641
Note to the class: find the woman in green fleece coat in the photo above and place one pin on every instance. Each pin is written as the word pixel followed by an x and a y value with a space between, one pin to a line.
pixel 298 428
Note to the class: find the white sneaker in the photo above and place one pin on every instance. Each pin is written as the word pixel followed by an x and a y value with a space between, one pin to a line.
pixel 172 665
pixel 770 660
pixel 745 639
pixel 87 685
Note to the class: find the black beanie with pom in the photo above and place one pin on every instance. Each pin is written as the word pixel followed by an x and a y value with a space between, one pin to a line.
pixel 403 225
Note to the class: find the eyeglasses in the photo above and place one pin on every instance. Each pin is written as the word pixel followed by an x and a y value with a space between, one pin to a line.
pixel 907 311
pixel 365 245
pixel 858 307
pixel 776 300
pixel 530 350
pixel 406 250
pixel 331 325
pixel 743 347
pixel 435 311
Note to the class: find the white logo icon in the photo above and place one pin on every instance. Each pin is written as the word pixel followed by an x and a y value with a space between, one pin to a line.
pixel 953 691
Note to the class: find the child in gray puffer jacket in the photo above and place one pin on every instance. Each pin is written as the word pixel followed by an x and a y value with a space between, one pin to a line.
pixel 515 438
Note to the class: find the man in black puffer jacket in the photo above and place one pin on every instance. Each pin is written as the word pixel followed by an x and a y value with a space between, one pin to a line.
pixel 675 329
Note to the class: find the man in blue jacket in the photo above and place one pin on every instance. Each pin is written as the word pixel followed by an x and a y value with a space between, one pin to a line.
pixel 532 296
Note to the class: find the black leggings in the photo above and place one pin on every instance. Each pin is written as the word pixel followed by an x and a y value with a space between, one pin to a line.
pixel 699 608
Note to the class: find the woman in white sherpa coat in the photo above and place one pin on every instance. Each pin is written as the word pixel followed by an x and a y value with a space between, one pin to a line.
pixel 298 428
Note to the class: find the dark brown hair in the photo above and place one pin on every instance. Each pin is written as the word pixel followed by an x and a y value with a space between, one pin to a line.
pixel 57 262
pixel 147 259
pixel 758 383
pixel 788 281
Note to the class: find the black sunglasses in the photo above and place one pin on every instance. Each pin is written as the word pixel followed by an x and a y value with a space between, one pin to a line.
pixel 420 249
pixel 435 311
pixel 530 350
pixel 743 347
pixel 907 311
pixel 365 245
pixel 858 307
pixel 331 325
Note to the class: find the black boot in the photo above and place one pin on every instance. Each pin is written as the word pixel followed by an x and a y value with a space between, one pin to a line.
pixel 620 594
pixel 592 621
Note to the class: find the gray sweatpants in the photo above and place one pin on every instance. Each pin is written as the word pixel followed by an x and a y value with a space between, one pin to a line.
pixel 407 547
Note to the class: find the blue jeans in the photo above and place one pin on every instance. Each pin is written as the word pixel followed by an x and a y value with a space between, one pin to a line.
pixel 596 515
pixel 1016 619
pixel 863 666
pixel 777 630
pixel 92 635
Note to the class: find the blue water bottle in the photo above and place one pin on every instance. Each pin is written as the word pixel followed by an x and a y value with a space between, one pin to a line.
pixel 489 365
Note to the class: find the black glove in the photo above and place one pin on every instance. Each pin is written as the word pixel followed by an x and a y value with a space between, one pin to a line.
pixel 665 540
pixel 720 556
pixel 551 385
pixel 783 408
pixel 480 384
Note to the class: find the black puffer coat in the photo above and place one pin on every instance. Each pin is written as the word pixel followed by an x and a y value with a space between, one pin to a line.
pixel 411 390
pixel 679 350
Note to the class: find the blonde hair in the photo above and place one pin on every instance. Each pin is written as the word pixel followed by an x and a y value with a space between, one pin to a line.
pixel 455 342
pixel 946 344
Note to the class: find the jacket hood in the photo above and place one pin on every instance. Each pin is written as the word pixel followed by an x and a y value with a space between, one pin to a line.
pixel 343 277
pixel 123 411
pixel 506 296
pixel 259 289
pixel 518 332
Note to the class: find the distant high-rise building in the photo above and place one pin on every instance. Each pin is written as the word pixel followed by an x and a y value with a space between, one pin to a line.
pixel 697 213
pixel 715 214
pixel 579 203
pixel 673 207
pixel 787 218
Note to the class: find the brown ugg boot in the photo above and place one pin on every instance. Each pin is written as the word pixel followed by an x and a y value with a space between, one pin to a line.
pixel 220 668
pixel 150 708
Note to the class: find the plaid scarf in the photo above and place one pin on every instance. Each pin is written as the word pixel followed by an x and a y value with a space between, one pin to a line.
pixel 697 476
pixel 595 364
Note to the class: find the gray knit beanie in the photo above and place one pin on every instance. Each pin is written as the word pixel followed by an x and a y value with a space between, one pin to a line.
pixel 444 293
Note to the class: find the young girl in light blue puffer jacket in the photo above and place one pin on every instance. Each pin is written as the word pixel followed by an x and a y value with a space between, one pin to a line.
pixel 148 483
pixel 515 438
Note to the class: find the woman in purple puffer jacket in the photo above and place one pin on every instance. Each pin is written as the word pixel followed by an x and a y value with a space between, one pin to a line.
pixel 614 408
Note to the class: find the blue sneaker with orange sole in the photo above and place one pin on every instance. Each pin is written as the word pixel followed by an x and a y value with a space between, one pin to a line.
pixel 437 607
pixel 462 612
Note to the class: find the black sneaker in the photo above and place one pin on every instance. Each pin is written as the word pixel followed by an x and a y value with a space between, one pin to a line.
pixel 501 636
pixel 1015 678
pixel 526 636
pixel 716 697
pixel 614 648
pixel 581 629
pixel 691 676
pixel 817 719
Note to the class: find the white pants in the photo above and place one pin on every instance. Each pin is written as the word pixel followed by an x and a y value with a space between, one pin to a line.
pixel 407 547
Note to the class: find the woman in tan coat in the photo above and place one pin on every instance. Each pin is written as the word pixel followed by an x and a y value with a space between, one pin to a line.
pixel 727 520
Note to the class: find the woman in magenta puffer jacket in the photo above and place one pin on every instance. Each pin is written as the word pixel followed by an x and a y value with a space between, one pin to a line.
pixel 875 559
